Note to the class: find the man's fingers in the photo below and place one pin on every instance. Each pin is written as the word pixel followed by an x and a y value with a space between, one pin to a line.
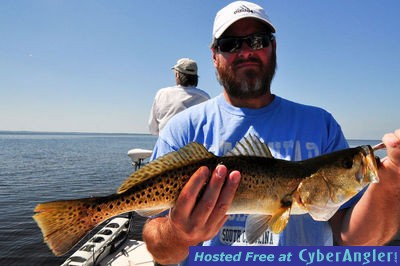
pixel 207 215
pixel 392 142
pixel 188 196
pixel 210 196
pixel 226 196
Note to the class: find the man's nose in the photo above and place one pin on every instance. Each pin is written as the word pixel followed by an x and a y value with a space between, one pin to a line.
pixel 245 49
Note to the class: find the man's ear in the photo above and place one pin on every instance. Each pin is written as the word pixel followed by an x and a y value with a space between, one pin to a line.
pixel 214 55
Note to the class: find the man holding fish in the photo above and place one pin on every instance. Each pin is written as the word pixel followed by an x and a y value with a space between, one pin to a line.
pixel 244 55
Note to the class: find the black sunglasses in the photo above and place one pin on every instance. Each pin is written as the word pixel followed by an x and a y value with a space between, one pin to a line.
pixel 255 41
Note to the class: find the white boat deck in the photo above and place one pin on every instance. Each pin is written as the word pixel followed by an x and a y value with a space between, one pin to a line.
pixel 133 252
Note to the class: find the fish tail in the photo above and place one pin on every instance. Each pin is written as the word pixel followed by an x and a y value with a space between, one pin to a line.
pixel 64 223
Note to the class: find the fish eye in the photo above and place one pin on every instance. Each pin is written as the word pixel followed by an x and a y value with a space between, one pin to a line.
pixel 347 163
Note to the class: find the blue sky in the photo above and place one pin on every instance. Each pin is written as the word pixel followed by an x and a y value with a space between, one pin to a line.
pixel 95 66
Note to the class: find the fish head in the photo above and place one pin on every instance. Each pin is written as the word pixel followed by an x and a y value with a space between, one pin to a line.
pixel 350 170
pixel 337 177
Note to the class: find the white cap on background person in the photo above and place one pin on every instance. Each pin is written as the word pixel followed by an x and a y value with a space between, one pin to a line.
pixel 186 66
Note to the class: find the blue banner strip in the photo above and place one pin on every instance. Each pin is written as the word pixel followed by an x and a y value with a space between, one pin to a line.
pixel 313 256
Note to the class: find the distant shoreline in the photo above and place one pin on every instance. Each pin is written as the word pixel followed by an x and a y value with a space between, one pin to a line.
pixel 27 132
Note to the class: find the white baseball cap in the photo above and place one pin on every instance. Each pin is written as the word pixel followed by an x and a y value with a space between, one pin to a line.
pixel 236 11
pixel 186 66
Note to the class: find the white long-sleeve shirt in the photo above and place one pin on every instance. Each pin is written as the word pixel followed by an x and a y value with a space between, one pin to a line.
pixel 170 101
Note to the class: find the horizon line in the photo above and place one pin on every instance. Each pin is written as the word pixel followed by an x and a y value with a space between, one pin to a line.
pixel 67 132
pixel 102 133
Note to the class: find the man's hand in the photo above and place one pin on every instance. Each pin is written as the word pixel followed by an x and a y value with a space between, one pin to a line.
pixel 192 220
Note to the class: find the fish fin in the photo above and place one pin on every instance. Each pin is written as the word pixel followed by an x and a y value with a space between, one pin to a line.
pixel 191 153
pixel 279 220
pixel 322 213
pixel 250 146
pixel 256 225
pixel 151 212
pixel 64 223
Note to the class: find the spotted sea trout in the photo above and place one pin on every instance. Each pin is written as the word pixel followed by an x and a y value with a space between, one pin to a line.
pixel 270 190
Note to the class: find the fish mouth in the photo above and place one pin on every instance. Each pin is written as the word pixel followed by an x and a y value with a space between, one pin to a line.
pixel 370 167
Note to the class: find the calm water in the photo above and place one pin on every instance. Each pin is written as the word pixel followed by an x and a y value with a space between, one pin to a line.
pixel 41 167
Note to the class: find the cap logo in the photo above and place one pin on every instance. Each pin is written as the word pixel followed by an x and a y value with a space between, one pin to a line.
pixel 243 8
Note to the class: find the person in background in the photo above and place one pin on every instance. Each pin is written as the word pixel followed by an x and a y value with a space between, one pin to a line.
pixel 244 55
pixel 172 100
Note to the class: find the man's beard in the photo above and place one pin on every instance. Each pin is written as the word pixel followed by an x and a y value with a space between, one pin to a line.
pixel 251 84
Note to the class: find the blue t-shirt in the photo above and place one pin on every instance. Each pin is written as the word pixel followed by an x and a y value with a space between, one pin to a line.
pixel 292 131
